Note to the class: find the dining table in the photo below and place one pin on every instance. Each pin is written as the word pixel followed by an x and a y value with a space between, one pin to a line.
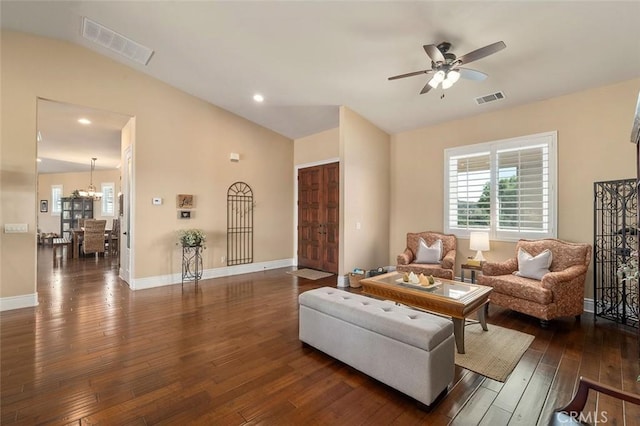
pixel 76 238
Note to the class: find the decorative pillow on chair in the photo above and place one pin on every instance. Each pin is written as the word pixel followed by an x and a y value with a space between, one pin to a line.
pixel 533 267
pixel 428 254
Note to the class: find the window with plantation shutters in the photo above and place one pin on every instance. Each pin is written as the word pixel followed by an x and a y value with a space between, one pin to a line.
pixel 108 199
pixel 504 187
pixel 56 200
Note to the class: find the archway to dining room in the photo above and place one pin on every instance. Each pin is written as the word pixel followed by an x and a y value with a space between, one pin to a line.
pixel 79 176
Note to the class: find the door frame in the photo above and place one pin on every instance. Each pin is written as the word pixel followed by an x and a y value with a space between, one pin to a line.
pixel 126 226
pixel 296 168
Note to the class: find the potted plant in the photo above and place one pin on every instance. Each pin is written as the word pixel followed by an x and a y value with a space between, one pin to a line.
pixel 191 237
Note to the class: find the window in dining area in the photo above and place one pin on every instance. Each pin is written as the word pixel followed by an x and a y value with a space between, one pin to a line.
pixel 108 199
pixel 56 197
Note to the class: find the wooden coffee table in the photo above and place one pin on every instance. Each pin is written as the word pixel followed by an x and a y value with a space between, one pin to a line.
pixel 452 298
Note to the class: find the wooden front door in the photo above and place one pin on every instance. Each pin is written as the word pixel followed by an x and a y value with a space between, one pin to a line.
pixel 318 217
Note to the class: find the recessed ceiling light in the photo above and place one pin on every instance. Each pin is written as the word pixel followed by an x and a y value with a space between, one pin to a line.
pixel 84 121
pixel 39 160
pixel 258 97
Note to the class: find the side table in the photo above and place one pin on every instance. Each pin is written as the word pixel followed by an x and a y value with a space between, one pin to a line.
pixel 473 268
pixel 191 264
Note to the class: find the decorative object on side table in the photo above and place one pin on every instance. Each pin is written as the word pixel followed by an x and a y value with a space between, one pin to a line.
pixel 192 242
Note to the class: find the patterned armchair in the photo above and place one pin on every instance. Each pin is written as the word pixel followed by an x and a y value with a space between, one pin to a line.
pixel 442 269
pixel 559 293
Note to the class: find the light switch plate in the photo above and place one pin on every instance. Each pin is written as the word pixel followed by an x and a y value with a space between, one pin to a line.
pixel 13 228
pixel 157 201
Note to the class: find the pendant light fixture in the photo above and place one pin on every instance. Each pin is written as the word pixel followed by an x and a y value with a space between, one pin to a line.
pixel 91 190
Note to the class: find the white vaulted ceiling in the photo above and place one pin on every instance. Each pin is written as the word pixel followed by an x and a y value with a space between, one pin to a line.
pixel 309 57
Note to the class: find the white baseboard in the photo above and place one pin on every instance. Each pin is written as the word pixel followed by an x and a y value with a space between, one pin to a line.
pixel 162 280
pixel 18 302
pixel 588 305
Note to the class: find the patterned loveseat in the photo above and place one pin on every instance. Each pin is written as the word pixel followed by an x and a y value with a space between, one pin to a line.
pixel 407 261
pixel 559 293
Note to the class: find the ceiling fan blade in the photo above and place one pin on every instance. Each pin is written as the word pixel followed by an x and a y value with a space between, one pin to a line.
pixel 481 53
pixel 425 89
pixel 409 74
pixel 434 53
pixel 470 74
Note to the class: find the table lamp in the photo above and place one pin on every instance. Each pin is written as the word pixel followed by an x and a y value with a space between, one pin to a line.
pixel 479 241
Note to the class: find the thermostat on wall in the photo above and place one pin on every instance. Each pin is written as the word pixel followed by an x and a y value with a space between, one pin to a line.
pixel 157 201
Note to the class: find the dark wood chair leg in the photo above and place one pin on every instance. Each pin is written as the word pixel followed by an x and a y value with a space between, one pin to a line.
pixel 578 318
pixel 570 413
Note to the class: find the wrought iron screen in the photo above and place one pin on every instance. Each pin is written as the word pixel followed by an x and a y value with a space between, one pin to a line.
pixel 240 206
pixel 615 237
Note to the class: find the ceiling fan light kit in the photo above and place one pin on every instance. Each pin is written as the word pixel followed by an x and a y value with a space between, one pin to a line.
pixel 446 67
pixel 437 78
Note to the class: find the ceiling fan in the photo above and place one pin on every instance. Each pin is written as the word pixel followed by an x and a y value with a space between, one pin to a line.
pixel 446 67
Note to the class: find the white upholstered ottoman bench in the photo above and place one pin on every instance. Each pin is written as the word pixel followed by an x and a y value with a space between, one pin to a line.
pixel 409 350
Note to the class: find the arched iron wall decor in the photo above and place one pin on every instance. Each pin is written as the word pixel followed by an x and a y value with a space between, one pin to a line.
pixel 615 238
pixel 240 206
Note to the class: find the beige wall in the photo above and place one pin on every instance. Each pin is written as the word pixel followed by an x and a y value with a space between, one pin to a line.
pixel 593 145
pixel 364 193
pixel 317 147
pixel 48 222
pixel 182 145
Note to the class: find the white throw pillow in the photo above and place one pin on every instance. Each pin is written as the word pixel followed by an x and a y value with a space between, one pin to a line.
pixel 429 254
pixel 533 267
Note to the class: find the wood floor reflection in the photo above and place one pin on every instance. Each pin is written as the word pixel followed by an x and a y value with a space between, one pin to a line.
pixel 227 353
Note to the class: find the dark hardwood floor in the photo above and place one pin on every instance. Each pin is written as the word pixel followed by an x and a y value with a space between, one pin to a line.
pixel 227 353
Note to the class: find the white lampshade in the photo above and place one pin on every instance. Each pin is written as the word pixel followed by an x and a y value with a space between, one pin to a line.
pixel 479 241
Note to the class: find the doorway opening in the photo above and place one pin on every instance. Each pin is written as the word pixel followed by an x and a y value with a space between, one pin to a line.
pixel 79 157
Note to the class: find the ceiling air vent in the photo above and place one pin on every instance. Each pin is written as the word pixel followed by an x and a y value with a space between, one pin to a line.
pixel 489 98
pixel 115 42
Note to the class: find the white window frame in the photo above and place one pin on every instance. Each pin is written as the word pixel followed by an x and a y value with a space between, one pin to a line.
pixel 105 188
pixel 56 200
pixel 547 139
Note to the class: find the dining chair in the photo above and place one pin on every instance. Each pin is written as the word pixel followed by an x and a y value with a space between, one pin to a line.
pixel 112 238
pixel 94 236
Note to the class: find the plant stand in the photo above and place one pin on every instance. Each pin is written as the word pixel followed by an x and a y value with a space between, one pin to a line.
pixel 191 264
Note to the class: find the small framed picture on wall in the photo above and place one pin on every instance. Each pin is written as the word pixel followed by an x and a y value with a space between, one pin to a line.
pixel 44 206
pixel 185 214
pixel 184 201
